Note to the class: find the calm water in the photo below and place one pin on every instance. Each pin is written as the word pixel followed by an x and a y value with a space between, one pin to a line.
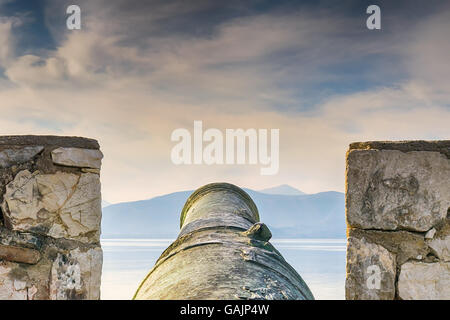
pixel 320 262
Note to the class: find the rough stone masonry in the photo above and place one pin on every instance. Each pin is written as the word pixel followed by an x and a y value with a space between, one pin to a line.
pixel 50 218
pixel 398 220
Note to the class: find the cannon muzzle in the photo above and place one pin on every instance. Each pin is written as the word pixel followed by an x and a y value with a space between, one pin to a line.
pixel 222 252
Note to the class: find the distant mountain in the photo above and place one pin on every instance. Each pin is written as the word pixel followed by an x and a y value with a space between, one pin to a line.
pixel 105 203
pixel 283 189
pixel 319 215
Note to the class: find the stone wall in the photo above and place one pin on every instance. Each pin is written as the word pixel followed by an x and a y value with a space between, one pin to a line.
pixel 50 218
pixel 398 220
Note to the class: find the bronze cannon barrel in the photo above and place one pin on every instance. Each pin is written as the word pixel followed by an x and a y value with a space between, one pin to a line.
pixel 222 252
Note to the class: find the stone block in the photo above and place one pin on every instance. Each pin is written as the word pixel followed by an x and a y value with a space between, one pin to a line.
pixel 440 242
pixel 76 275
pixel 396 190
pixel 14 156
pixel 371 271
pixel 61 205
pixel 18 254
pixel 77 157
pixel 404 245
pixel 424 281
pixel 10 288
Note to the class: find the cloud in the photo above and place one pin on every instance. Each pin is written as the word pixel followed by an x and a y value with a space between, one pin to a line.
pixel 427 53
pixel 6 39
pixel 128 83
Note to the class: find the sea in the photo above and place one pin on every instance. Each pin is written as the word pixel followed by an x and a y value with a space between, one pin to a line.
pixel 320 262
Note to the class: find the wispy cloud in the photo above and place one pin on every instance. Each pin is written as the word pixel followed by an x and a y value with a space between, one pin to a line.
pixel 131 76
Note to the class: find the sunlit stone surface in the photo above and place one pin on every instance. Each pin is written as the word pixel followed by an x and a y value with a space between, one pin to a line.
pixel 50 218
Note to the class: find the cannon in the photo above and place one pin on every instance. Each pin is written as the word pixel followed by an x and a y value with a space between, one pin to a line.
pixel 222 252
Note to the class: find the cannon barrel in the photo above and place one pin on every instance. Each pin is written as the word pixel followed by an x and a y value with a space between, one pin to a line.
pixel 222 252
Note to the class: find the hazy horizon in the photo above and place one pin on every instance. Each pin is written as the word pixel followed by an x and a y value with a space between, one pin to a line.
pixel 108 203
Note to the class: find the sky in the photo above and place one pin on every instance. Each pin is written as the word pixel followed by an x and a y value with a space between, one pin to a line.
pixel 138 70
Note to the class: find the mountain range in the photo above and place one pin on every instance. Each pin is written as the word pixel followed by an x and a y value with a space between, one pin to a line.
pixel 288 212
pixel 283 189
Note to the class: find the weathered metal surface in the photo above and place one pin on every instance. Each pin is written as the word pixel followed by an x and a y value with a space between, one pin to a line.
pixel 222 252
